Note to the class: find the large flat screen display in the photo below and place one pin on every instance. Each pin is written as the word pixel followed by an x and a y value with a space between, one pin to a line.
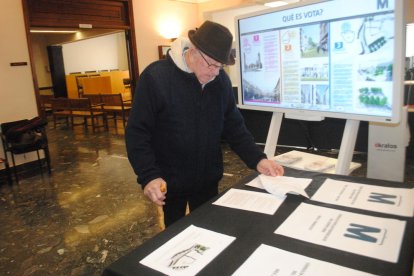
pixel 339 58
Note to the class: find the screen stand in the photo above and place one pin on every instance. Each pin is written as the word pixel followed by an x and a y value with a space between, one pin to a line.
pixel 346 150
pixel 273 134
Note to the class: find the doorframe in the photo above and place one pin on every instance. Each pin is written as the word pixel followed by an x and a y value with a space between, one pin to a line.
pixel 130 41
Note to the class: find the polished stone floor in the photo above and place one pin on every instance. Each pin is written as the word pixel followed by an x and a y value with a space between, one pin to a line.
pixel 89 211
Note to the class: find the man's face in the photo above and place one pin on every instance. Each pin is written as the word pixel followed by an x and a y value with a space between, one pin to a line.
pixel 206 68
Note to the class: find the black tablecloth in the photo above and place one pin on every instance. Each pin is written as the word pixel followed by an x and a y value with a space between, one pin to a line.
pixel 252 229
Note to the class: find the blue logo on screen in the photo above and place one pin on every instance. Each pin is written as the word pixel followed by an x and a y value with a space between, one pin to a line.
pixel 339 45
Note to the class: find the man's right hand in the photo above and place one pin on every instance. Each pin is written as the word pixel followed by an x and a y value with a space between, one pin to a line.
pixel 155 190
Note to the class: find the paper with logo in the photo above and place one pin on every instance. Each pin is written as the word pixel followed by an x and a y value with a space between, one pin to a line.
pixel 262 262
pixel 375 237
pixel 396 201
pixel 250 201
pixel 188 252
pixel 282 185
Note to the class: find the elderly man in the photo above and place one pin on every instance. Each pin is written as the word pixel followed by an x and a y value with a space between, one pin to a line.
pixel 183 106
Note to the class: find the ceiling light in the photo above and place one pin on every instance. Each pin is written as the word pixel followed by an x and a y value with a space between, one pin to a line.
pixel 53 31
pixel 275 4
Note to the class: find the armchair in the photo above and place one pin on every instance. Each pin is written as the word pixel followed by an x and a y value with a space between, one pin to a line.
pixel 24 136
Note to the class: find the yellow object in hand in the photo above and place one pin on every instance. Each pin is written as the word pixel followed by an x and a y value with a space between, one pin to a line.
pixel 163 188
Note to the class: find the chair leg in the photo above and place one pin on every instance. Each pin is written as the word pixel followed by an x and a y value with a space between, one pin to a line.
pixel 14 168
pixel 105 121
pixel 9 178
pixel 39 162
pixel 123 119
pixel 93 124
pixel 115 122
pixel 47 156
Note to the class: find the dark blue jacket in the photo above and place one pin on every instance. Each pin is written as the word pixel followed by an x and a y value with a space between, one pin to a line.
pixel 176 127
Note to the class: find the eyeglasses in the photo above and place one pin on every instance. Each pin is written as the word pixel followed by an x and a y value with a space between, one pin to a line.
pixel 209 65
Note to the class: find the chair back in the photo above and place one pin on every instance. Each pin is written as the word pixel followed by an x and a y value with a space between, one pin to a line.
pixel 8 125
pixel 60 104
pixel 82 104
pixel 94 98
pixel 79 84
pixel 79 81
pixel 112 99
pixel 45 101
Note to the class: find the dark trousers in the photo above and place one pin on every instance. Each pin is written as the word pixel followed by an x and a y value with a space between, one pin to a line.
pixel 175 207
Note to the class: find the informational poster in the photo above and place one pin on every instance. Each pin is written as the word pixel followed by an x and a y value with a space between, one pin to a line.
pixel 370 236
pixel 260 64
pixel 333 56
pixel 188 252
pixel 396 201
pixel 268 260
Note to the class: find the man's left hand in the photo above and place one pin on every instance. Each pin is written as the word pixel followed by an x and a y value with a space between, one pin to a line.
pixel 270 168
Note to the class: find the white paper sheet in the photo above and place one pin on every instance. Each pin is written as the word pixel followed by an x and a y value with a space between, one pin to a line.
pixel 397 201
pixel 250 201
pixel 268 260
pixel 375 237
pixel 188 252
pixel 282 185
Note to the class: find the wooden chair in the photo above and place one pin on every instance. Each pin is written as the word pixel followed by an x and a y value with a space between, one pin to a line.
pixel 61 109
pixel 113 104
pixel 79 84
pixel 127 84
pixel 83 108
pixel 46 103
pixel 95 99
pixel 24 136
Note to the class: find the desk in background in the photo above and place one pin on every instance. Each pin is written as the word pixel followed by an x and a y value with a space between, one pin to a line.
pixel 252 229
pixel 97 85
pixel 116 83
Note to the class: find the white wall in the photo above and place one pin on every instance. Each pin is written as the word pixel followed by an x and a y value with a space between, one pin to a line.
pixel 17 99
pixel 39 44
pixel 99 53
pixel 150 16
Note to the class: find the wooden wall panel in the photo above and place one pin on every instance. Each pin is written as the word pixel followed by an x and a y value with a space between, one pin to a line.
pixel 71 13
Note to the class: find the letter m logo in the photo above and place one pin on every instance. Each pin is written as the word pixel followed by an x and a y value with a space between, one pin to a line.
pixel 382 4
pixel 382 198
pixel 357 231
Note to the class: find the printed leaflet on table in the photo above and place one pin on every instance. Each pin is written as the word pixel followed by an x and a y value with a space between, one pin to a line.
pixel 375 237
pixel 188 252
pixel 396 201
pixel 262 262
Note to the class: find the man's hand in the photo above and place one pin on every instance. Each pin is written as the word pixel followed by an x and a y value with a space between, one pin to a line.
pixel 155 190
pixel 270 168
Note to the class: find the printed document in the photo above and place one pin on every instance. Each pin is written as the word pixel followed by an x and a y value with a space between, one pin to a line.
pixel 375 237
pixel 296 182
pixel 281 185
pixel 250 201
pixel 396 201
pixel 188 252
pixel 268 260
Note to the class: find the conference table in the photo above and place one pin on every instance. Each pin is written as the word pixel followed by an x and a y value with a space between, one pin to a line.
pixel 251 229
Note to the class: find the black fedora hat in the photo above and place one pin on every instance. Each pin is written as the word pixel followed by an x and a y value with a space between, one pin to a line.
pixel 214 40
